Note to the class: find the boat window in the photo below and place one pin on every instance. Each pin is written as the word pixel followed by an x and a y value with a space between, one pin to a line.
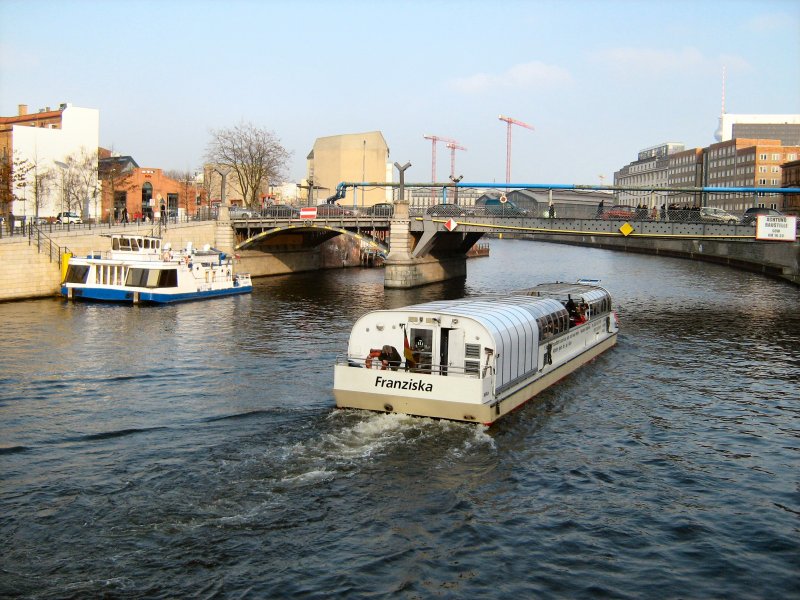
pixel 168 278
pixel 422 347
pixel 115 243
pixel 77 274
pixel 134 244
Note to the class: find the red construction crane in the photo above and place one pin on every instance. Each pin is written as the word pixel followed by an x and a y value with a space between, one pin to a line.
pixel 434 139
pixel 453 147
pixel 511 122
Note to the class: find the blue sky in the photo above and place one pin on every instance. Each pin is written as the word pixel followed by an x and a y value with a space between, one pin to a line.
pixel 598 80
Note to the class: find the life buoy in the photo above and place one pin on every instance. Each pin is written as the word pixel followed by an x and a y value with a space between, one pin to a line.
pixel 373 353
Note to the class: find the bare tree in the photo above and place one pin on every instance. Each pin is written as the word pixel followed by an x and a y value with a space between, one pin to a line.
pixel 13 178
pixel 79 179
pixel 187 179
pixel 254 154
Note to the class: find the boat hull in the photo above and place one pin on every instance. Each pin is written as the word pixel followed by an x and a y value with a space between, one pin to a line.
pixel 359 388
pixel 130 296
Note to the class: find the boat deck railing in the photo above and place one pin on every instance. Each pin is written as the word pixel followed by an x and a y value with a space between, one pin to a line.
pixel 361 362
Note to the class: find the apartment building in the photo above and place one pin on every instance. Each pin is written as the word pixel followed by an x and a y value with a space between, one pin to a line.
pixel 685 170
pixel 791 178
pixel 46 140
pixel 742 162
pixel 650 170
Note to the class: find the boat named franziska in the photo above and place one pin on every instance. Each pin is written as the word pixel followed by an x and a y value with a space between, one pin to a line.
pixel 138 268
pixel 473 359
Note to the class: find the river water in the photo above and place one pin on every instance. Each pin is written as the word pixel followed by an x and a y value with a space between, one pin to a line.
pixel 194 451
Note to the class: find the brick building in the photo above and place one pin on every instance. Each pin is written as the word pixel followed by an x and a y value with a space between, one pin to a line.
pixel 141 191
pixel 791 178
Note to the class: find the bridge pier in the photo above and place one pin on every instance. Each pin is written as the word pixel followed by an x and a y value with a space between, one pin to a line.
pixel 402 271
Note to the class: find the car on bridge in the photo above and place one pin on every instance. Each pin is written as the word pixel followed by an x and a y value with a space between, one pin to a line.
pixel 447 210
pixel 242 212
pixel 621 211
pixel 497 207
pixel 716 215
pixel 281 211
pixel 382 209
pixel 751 214
pixel 333 210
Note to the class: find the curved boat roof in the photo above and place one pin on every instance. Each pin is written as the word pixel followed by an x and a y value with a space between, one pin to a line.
pixel 511 322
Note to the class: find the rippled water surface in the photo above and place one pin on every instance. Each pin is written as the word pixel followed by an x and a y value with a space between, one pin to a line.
pixel 194 451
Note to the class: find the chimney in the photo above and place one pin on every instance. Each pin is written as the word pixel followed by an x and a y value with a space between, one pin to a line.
pixel 23 109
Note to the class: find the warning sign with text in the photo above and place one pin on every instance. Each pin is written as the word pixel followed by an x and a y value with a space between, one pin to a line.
pixel 783 229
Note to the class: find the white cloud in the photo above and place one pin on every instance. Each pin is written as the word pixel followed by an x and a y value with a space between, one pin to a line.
pixel 533 74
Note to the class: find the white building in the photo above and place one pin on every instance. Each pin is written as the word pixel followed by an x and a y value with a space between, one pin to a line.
pixel 46 139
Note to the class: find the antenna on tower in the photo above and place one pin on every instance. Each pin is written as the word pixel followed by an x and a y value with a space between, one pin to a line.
pixel 718 134
pixel 723 90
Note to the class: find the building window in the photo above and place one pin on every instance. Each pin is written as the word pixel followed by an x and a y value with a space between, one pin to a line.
pixel 762 157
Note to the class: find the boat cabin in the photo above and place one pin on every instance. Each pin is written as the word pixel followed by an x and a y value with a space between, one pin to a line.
pixel 471 337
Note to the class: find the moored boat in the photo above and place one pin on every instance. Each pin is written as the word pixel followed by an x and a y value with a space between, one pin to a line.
pixel 138 268
pixel 473 359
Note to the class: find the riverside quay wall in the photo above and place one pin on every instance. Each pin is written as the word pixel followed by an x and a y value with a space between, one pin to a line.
pixel 780 260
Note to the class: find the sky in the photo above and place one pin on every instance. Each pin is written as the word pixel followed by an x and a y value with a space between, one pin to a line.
pixel 597 80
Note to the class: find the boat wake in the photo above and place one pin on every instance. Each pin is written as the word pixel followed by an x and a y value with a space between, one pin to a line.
pixel 358 438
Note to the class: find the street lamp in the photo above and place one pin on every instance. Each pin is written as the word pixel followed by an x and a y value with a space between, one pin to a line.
pixel 455 187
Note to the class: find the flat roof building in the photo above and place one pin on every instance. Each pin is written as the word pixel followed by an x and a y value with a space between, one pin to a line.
pixel 354 157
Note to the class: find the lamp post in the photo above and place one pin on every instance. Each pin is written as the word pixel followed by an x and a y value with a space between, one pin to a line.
pixel 455 188
pixel 224 210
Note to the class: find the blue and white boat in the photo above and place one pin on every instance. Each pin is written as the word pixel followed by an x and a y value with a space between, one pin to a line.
pixel 139 269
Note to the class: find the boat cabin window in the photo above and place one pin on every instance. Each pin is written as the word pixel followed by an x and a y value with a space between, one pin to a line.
pixel 152 278
pixel 77 274
pixel 422 348
pixel 552 324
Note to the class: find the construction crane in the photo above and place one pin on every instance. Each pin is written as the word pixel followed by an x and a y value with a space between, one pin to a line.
pixel 511 122
pixel 434 139
pixel 453 147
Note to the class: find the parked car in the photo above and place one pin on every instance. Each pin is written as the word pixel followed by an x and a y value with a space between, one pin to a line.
pixel 621 211
pixel 382 209
pixel 716 215
pixel 333 210
pixel 751 214
pixel 281 211
pixel 446 210
pixel 68 217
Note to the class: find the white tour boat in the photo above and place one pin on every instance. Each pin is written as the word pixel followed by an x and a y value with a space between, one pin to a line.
pixel 139 269
pixel 473 359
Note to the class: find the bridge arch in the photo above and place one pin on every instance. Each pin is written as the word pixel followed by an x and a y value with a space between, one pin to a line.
pixel 328 232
